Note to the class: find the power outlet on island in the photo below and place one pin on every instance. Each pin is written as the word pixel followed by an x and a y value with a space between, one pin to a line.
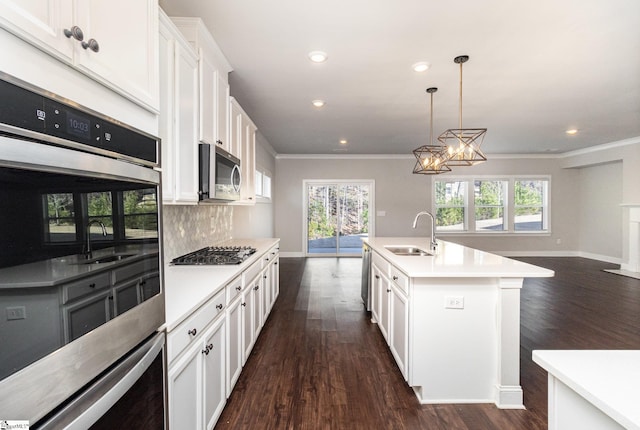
pixel 454 302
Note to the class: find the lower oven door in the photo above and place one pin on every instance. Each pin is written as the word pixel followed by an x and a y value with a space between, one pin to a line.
pixel 131 395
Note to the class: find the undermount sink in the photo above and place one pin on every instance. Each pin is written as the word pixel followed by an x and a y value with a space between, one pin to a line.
pixel 106 259
pixel 408 250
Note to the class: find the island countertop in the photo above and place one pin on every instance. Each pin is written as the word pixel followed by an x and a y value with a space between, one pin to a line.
pixel 452 260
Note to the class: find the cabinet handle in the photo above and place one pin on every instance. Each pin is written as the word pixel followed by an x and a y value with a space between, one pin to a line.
pixel 92 285
pixel 265 276
pixel 219 306
pixel 388 290
pixel 75 32
pixel 256 287
pixel 267 259
pixel 273 253
pixel 219 142
pixel 276 263
pixel 377 277
pixel 110 297
pixel 243 304
pixel 395 278
pixel 205 351
pixel 143 283
pixel 193 332
pixel 91 44
pixel 238 288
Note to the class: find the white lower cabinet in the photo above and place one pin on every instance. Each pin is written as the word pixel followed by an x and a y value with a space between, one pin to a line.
pixel 206 352
pixel 197 382
pixel 390 309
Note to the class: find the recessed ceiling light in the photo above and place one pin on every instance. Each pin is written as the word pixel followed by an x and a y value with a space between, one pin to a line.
pixel 422 66
pixel 572 131
pixel 318 56
pixel 343 141
pixel 318 103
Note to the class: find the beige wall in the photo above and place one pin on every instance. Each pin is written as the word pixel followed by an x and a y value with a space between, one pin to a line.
pixel 401 194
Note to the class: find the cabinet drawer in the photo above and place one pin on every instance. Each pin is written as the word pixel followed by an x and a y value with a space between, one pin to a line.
pixel 233 289
pixel 272 254
pixel 399 279
pixel 380 263
pixel 251 272
pixel 193 327
pixel 130 271
pixel 85 287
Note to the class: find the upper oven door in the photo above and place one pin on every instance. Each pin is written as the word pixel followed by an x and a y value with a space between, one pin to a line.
pixel 71 315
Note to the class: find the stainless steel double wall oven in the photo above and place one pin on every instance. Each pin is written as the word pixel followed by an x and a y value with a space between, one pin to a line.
pixel 81 295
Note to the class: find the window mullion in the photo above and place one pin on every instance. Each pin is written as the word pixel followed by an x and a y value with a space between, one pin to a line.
pixel 470 213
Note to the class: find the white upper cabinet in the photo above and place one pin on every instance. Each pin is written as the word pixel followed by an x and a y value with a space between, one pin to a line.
pixel 242 133
pixel 178 122
pixel 214 83
pixel 114 42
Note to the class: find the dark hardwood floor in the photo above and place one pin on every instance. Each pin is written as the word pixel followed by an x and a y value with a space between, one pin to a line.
pixel 320 363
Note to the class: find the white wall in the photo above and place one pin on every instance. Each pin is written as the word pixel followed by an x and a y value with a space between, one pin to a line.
pixel 402 194
pixel 600 212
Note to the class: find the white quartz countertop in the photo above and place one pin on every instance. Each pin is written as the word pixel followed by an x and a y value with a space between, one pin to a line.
pixel 55 271
pixel 607 379
pixel 189 287
pixel 452 260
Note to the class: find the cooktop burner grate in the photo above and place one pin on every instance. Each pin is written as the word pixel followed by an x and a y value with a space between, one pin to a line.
pixel 212 255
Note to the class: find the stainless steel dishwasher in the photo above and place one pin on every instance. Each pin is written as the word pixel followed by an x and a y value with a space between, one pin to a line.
pixel 366 276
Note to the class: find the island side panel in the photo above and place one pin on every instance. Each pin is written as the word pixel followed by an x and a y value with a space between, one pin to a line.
pixel 508 390
pixel 454 352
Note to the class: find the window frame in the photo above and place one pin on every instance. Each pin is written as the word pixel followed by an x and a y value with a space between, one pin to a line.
pixel 509 205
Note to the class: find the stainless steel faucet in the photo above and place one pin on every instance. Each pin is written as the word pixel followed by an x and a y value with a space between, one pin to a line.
pixel 433 246
pixel 88 253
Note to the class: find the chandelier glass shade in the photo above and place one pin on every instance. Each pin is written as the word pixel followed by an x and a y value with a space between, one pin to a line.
pixel 431 159
pixel 462 145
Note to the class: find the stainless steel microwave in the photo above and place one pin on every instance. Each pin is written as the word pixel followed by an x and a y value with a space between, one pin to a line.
pixel 219 176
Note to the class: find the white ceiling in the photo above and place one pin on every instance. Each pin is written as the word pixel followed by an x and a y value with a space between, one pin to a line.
pixel 536 69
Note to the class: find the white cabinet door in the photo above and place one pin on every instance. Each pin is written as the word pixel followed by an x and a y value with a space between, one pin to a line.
pixel 178 122
pixel 234 343
pixel 248 334
pixel 266 290
pixel 235 128
pixel 214 369
pixel 258 309
pixel 385 299
pixel 399 328
pixel 126 33
pixel 186 122
pixel 207 95
pixel 41 22
pixel 185 394
pixel 376 288
pixel 248 188
pixel 222 110
pixel 275 280
pixel 115 42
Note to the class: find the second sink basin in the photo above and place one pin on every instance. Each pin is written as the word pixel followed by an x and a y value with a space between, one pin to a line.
pixel 408 250
pixel 106 259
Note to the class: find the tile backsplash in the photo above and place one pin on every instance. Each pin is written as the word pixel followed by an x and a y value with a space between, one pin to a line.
pixel 188 228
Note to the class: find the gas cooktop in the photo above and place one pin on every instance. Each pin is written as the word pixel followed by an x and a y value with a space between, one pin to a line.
pixel 215 255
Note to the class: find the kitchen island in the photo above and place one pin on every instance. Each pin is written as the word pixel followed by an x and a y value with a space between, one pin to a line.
pixel 451 320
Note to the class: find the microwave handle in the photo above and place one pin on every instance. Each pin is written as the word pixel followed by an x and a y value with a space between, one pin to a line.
pixel 236 187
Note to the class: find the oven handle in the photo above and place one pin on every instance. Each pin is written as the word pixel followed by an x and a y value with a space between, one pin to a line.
pixel 94 402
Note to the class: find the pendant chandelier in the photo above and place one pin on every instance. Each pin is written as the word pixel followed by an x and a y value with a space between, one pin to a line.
pixel 431 159
pixel 462 145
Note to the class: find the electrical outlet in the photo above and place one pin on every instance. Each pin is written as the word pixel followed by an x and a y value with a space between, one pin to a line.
pixel 454 302
pixel 16 313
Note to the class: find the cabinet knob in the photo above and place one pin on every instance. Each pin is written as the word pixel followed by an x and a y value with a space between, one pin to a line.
pixel 377 277
pixel 219 306
pixel 243 304
pixel 219 142
pixel 210 346
pixel 74 32
pixel 92 285
pixel 192 332
pixel 238 288
pixel 267 259
pixel 265 276
pixel 388 290
pixel 205 351
pixel 395 278
pixel 256 287
pixel 91 44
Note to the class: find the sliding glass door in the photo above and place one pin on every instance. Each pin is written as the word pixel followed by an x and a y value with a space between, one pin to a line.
pixel 338 216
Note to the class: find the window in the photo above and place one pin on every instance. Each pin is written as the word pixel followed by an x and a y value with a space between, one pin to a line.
pixel 530 206
pixel 508 205
pixel 263 184
pixel 126 215
pixel 489 202
pixel 60 221
pixel 451 205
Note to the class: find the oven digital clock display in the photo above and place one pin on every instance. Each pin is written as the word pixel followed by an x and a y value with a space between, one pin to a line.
pixel 78 125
